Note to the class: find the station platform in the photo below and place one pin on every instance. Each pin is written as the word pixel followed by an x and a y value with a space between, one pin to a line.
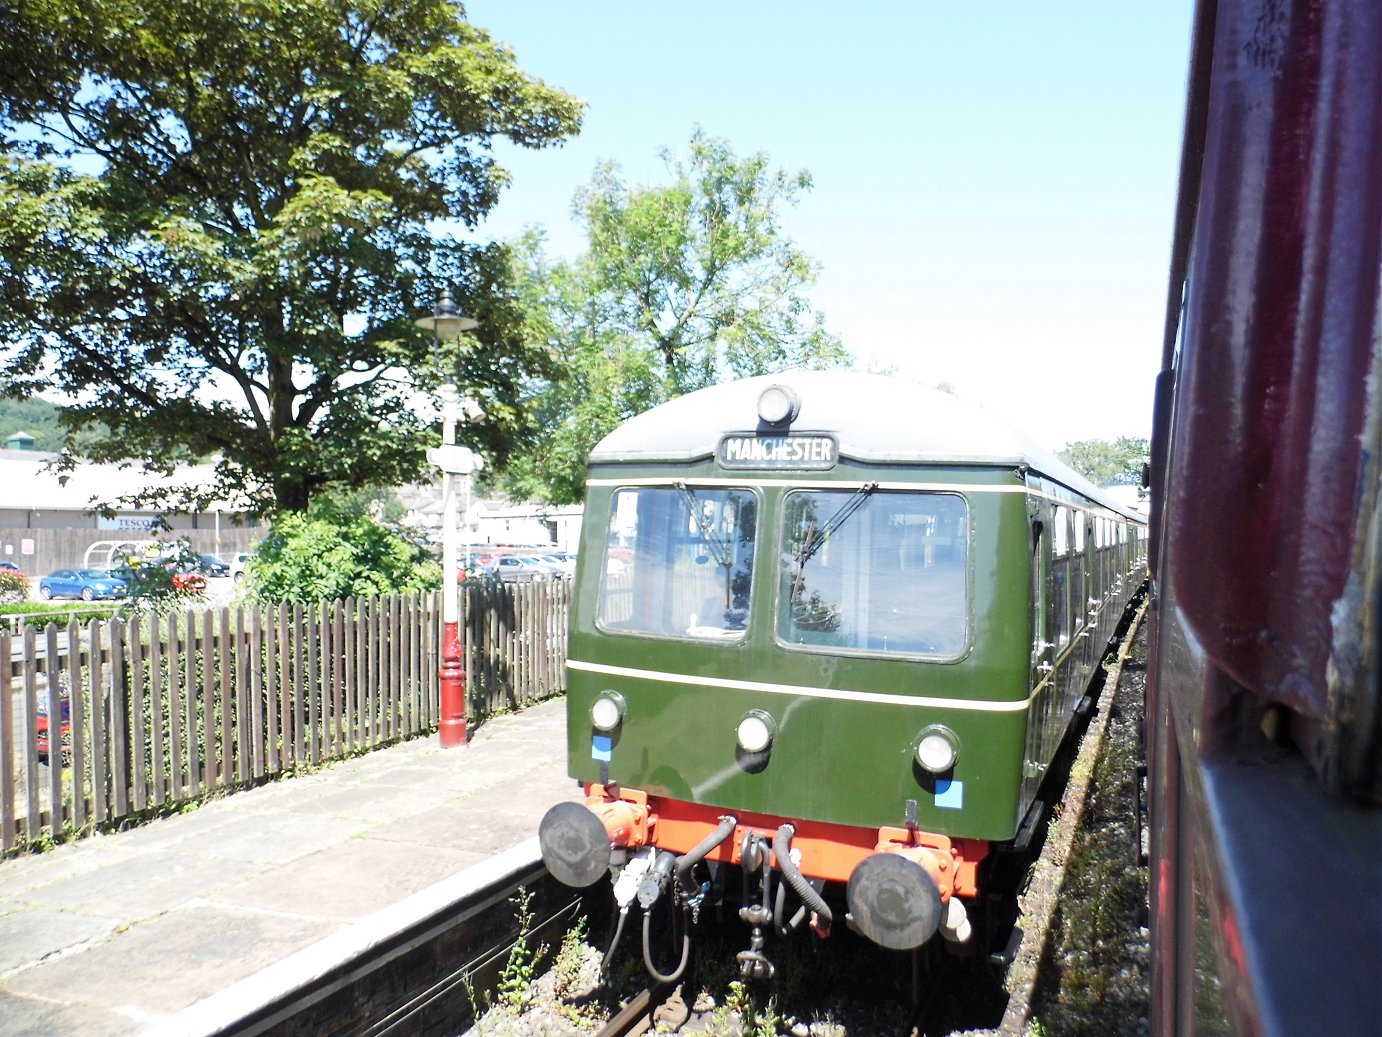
pixel 141 931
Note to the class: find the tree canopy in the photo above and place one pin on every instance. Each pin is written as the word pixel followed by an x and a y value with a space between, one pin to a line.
pixel 682 285
pixel 1108 462
pixel 219 219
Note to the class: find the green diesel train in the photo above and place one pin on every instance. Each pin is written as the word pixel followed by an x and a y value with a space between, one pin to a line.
pixel 834 626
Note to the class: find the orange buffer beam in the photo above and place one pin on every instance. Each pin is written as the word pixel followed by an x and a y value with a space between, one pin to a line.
pixel 828 851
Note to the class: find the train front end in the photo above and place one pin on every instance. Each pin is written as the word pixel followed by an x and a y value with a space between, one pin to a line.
pixel 798 656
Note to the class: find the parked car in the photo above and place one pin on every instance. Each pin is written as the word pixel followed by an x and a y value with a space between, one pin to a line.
pixel 87 584
pixel 517 569
pixel 210 565
pixel 562 561
pixel 239 563
pixel 144 577
pixel 11 567
pixel 475 568
pixel 42 739
pixel 552 569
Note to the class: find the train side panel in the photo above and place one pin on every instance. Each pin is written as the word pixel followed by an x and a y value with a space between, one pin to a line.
pixel 1264 713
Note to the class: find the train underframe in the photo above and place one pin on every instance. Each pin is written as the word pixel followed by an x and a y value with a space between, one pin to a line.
pixel 901 886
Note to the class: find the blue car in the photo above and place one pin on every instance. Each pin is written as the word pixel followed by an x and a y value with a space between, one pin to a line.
pixel 87 584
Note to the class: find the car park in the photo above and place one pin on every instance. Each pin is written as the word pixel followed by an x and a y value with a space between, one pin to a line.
pixel 87 584
pixel 476 570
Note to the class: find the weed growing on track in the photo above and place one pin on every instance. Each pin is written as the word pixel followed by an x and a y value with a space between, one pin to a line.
pixel 1094 977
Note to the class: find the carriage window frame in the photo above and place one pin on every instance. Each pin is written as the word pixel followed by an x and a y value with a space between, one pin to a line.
pixel 1060 529
pixel 783 577
pixel 698 628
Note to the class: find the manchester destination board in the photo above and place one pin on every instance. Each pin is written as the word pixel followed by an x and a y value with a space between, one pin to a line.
pixel 791 451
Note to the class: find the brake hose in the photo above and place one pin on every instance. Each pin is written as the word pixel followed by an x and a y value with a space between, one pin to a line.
pixel 648 951
pixel 697 853
pixel 782 847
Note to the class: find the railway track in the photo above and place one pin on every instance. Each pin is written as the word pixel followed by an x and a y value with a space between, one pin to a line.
pixel 407 970
pixel 640 1014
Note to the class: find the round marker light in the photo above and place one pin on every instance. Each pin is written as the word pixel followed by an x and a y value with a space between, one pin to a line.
pixel 937 749
pixel 778 405
pixel 607 711
pixel 755 731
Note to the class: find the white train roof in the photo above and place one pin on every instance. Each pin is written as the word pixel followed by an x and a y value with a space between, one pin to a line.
pixel 877 419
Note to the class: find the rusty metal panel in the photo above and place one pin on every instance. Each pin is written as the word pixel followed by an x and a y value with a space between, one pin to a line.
pixel 1279 341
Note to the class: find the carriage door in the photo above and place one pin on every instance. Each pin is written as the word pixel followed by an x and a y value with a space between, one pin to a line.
pixel 1039 518
pixel 1043 644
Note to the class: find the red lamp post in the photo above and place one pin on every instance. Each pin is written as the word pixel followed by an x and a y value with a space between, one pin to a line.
pixel 446 323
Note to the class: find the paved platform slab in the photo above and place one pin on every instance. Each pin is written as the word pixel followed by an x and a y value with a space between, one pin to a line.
pixel 118 934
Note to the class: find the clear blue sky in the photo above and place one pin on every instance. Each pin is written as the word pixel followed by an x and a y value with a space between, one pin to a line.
pixel 994 183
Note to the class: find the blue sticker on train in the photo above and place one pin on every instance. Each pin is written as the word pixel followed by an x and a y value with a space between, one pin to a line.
pixel 950 795
pixel 601 747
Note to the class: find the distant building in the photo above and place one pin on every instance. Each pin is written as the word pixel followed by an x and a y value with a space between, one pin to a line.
pixel 21 441
pixel 49 520
pixel 36 497
pixel 497 522
pixel 492 522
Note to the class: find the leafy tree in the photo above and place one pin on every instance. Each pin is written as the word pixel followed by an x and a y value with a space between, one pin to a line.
pixel 683 285
pixel 218 221
pixel 1108 462
pixel 609 375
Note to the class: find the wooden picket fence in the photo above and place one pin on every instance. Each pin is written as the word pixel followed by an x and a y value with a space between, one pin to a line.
pixel 161 710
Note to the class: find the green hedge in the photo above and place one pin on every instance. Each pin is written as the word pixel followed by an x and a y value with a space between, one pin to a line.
pixel 41 613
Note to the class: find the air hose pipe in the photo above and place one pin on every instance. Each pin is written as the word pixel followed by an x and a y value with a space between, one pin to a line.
pixel 782 849
pixel 648 952
pixel 697 853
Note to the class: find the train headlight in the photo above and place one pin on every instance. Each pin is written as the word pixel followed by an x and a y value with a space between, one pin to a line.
pixel 755 731
pixel 778 405
pixel 937 749
pixel 608 710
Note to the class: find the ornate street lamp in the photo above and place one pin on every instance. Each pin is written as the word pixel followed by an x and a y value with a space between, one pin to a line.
pixel 446 324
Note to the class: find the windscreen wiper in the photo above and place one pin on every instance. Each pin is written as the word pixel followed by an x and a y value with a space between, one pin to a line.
pixel 719 548
pixel 816 540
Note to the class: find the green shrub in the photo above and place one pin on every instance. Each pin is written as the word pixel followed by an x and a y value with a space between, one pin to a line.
pixel 41 613
pixel 317 557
